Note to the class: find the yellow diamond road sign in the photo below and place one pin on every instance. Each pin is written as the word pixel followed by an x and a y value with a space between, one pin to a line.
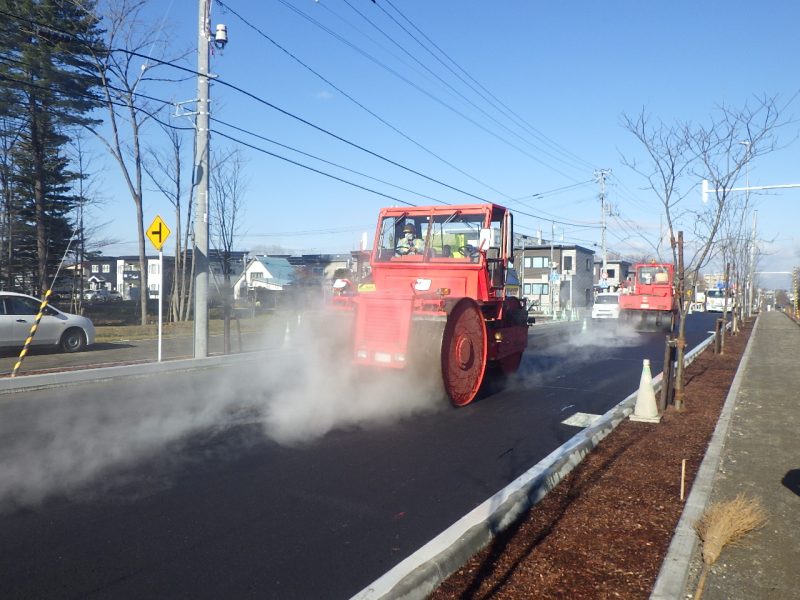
pixel 158 232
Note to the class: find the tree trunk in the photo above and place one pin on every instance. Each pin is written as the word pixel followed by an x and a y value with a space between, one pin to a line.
pixel 226 310
pixel 143 291
pixel 39 199
pixel 177 275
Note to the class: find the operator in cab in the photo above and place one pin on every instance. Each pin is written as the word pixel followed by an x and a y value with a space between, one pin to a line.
pixel 409 244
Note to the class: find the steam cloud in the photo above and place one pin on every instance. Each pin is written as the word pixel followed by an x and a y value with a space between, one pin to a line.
pixel 296 395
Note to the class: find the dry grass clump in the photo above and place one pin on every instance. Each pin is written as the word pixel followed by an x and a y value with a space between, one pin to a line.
pixel 725 523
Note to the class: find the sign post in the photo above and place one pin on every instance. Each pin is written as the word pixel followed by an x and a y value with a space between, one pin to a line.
pixel 158 232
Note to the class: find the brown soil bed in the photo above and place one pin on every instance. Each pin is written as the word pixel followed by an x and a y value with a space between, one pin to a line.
pixel 604 530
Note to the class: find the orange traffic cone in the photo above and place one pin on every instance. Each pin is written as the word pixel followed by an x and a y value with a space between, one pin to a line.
pixel 646 409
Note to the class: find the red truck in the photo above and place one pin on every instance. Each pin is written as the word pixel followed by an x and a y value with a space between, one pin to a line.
pixel 443 301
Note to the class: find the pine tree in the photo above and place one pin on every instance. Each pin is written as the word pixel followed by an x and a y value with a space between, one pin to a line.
pixel 47 86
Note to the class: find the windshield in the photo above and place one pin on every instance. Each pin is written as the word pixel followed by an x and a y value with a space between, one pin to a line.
pixel 653 274
pixel 715 294
pixel 607 299
pixel 442 236
pixel 456 234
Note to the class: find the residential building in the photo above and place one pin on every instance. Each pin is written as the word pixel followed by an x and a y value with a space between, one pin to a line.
pixel 122 273
pixel 617 271
pixel 319 269
pixel 264 280
pixel 554 276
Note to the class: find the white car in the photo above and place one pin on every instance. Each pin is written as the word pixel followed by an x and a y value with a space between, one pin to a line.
pixel 102 295
pixel 71 333
pixel 606 306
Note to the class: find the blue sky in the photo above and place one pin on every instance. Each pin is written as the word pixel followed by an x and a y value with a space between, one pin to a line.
pixel 568 70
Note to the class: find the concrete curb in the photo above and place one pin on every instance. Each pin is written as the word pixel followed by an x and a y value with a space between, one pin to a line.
pixel 674 573
pixel 10 385
pixel 419 574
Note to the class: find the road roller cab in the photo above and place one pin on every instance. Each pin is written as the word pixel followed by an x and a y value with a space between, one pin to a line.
pixel 442 299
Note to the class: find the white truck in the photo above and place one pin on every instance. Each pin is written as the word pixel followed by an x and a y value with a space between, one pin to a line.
pixel 718 301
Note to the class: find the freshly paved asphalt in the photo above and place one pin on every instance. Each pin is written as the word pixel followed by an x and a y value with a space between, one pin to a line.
pixel 170 487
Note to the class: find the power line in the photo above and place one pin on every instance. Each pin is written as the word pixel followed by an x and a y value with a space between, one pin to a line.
pixel 328 162
pixel 421 90
pixel 97 98
pixel 355 101
pixel 304 121
pixel 487 96
pixel 531 128
pixel 166 102
pixel 444 82
pixel 560 222
pixel 553 191
pixel 310 124
pixel 298 164
pixel 269 104
pixel 311 232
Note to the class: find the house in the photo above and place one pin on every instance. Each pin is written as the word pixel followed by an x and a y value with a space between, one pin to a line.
pixel 101 272
pixel 320 269
pixel 264 280
pixel 555 276
pixel 122 273
pixel 617 270
pixel 129 276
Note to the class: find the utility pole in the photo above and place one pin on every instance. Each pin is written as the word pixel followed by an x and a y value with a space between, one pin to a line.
pixel 552 278
pixel 200 180
pixel 601 178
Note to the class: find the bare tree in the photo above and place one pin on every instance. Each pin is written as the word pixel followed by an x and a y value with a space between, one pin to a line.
pixel 734 248
pixel 679 157
pixel 165 169
pixel 122 74
pixel 88 241
pixel 668 165
pixel 228 186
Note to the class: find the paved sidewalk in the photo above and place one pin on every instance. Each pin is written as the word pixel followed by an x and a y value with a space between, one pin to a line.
pixel 760 456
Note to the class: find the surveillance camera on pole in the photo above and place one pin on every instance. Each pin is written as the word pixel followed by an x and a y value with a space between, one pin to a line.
pixel 221 37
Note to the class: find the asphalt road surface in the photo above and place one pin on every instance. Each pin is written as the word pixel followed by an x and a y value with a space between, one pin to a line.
pixel 276 480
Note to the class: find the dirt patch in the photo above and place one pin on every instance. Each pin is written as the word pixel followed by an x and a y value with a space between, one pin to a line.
pixel 604 530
